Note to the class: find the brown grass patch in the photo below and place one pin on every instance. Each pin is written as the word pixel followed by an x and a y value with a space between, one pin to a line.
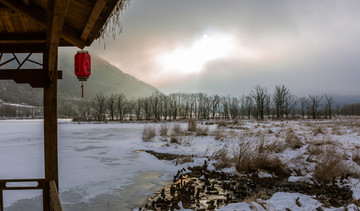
pixel 249 160
pixel 356 157
pixel 177 130
pixel 219 134
pixel 222 159
pixel 332 166
pixel 164 130
pixel 175 140
pixel 192 125
pixel 182 160
pixel 222 124
pixel 318 130
pixel 315 150
pixel 148 133
pixel 202 131
pixel 292 140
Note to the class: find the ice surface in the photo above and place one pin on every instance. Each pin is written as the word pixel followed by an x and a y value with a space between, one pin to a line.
pixel 97 164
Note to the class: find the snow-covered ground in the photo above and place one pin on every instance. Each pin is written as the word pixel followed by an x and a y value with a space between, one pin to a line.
pixel 98 165
pixel 102 166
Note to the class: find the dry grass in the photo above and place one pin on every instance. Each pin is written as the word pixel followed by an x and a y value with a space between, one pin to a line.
pixel 148 133
pixel 315 150
pixel 292 140
pixel 249 159
pixel 356 157
pixel 222 159
pixel 331 167
pixel 324 141
pixel 337 131
pixel 202 131
pixel 219 134
pixel 192 125
pixel 175 140
pixel 276 146
pixel 164 130
pixel 177 130
pixel 182 160
pixel 318 130
pixel 222 124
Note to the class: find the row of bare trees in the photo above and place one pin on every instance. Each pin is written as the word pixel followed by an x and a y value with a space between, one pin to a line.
pixel 23 112
pixel 258 104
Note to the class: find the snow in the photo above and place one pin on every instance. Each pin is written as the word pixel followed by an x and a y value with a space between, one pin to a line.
pixel 94 160
pixel 103 165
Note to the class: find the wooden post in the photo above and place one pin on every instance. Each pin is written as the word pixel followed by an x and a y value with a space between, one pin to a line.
pixel 50 136
pixel 56 12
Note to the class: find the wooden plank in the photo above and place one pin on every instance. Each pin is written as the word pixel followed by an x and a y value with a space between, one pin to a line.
pixel 54 196
pixel 38 15
pixel 7 22
pixel 95 13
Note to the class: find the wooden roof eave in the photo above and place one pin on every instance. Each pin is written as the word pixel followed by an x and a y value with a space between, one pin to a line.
pixel 38 15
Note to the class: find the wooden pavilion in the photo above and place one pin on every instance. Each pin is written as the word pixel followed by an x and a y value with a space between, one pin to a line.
pixel 41 26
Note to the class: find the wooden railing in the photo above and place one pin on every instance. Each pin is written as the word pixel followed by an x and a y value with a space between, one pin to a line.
pixel 55 203
pixel 31 184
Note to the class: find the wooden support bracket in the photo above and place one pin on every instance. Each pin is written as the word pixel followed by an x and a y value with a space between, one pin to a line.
pixel 37 78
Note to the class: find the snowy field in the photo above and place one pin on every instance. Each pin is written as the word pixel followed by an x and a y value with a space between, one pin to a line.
pixel 101 166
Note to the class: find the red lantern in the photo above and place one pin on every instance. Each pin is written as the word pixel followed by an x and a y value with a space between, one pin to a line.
pixel 82 67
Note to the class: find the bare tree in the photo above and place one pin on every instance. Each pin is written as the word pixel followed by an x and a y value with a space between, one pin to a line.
pixel 329 101
pixel 99 107
pixel 247 105
pixel 155 104
pixel 225 107
pixel 120 106
pixel 260 95
pixel 138 108
pixel 281 92
pixel 290 105
pixel 215 100
pixel 234 107
pixel 111 106
pixel 146 106
pixel 303 103
pixel 314 104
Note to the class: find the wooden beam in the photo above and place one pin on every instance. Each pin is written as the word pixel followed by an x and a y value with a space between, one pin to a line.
pixel 95 13
pixel 22 38
pixel 38 15
pixel 22 47
pixel 26 2
pixel 56 14
pixel 37 78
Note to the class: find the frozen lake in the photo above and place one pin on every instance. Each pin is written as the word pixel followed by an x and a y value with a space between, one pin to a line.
pixel 98 165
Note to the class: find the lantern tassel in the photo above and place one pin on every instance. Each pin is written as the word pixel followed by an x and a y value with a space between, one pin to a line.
pixel 82 90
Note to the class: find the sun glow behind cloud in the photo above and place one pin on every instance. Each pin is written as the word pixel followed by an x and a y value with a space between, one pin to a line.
pixel 191 59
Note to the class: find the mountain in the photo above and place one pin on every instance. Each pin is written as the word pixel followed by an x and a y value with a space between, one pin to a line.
pixel 104 78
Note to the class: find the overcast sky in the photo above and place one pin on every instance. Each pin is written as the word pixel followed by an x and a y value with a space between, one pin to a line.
pixel 229 46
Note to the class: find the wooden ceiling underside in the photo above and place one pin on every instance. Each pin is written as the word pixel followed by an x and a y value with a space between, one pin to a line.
pixel 24 22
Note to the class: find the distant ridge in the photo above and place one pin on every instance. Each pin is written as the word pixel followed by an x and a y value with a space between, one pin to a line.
pixel 105 78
